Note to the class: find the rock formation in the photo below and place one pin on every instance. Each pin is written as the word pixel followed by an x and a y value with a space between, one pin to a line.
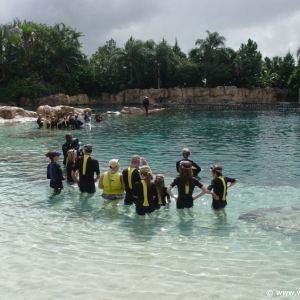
pixel 61 110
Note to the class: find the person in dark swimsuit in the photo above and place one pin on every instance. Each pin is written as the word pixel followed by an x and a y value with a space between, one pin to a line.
pixel 144 191
pixel 185 157
pixel 161 192
pixel 186 183
pixel 219 186
pixel 131 175
pixel 54 172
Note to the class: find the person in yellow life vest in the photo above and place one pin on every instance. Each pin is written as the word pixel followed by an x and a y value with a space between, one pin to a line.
pixel 219 186
pixel 161 192
pixel 112 182
pixel 144 191
pixel 131 175
pixel 186 183
pixel 86 167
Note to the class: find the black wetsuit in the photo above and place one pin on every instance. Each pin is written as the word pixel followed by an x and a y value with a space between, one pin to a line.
pixel 39 122
pixel 57 177
pixel 65 148
pixel 77 123
pixel 69 168
pixel 86 182
pixel 185 200
pixel 135 177
pixel 141 209
pixel 196 169
pixel 164 195
pixel 146 104
pixel 218 188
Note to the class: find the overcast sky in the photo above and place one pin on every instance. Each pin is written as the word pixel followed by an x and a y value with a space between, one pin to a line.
pixel 273 24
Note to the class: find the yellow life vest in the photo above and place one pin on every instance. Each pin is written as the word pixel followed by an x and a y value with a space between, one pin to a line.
pixel 159 197
pixel 85 158
pixel 115 186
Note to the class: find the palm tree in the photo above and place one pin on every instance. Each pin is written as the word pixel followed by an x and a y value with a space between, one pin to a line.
pixel 211 45
pixel 132 56
pixel 163 56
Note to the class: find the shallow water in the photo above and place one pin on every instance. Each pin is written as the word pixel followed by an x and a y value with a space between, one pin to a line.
pixel 74 247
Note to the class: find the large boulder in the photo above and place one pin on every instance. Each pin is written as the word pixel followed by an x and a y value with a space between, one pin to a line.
pixel 62 110
pixel 131 110
pixel 11 112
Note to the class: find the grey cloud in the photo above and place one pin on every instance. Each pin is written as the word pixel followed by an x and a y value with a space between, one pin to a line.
pixel 268 22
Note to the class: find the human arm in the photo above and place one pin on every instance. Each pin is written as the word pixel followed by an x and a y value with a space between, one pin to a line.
pixel 169 191
pixel 73 174
pixel 122 182
pixel 232 183
pixel 100 184
pixel 97 178
pixel 144 161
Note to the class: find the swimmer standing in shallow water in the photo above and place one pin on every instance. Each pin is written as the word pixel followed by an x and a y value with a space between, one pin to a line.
pixel 186 183
pixel 54 172
pixel 219 186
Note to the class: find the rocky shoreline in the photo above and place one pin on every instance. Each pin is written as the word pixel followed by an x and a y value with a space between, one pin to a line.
pixel 190 95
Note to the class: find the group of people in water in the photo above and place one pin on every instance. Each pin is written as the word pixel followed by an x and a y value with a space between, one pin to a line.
pixel 135 183
pixel 70 121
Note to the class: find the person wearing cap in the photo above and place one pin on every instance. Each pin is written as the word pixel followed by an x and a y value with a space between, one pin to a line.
pixel 86 167
pixel 186 183
pixel 54 172
pixel 219 186
pixel 112 182
pixel 131 175
pixel 145 104
pixel 185 157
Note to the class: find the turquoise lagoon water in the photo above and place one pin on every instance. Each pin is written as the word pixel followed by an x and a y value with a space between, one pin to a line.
pixel 73 247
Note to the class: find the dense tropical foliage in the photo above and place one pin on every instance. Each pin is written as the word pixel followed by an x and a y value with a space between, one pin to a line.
pixel 38 60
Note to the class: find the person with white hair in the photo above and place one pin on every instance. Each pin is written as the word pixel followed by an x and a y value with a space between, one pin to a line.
pixel 112 181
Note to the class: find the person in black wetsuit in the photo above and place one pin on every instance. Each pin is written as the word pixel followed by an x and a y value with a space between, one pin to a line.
pixel 219 186
pixel 185 157
pixel 40 121
pixel 86 167
pixel 145 104
pixel 70 161
pixel 131 175
pixel 144 191
pixel 161 192
pixel 186 183
pixel 67 146
pixel 54 172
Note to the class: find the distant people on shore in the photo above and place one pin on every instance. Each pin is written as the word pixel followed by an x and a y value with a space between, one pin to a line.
pixel 145 104
pixel 219 186
pixel 112 182
pixel 185 157
pixel 54 171
pixel 186 183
